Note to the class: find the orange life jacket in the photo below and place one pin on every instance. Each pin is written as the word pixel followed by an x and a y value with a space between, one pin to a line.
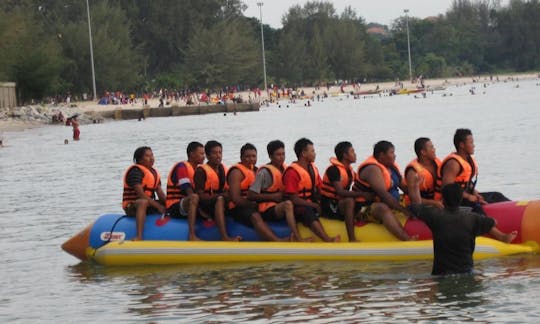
pixel 150 182
pixel 307 186
pixel 346 176
pixel 277 186
pixel 174 194
pixel 213 183
pixel 468 173
pixel 365 186
pixel 249 178
pixel 430 185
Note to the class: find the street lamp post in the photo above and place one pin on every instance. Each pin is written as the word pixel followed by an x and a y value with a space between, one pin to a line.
pixel 408 43
pixel 91 51
pixel 260 4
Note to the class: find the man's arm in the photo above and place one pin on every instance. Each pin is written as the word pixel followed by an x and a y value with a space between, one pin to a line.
pixel 449 173
pixel 262 182
pixel 234 178
pixel 291 180
pixel 373 175
pixel 199 178
pixel 412 176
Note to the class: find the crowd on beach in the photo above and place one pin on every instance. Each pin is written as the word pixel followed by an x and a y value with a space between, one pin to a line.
pixel 434 191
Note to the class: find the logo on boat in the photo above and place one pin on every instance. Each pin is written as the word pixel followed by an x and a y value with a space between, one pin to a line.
pixel 113 236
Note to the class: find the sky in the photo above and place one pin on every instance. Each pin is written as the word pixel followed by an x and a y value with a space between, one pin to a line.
pixel 380 11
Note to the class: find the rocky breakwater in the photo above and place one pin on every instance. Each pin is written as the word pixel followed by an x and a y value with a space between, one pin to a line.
pixel 48 114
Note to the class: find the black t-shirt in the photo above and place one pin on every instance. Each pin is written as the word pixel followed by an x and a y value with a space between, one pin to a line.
pixel 334 175
pixel 134 176
pixel 454 234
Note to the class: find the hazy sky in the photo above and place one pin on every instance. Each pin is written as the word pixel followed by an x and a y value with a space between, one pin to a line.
pixel 381 11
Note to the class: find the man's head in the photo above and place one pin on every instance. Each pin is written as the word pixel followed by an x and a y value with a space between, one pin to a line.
pixel 384 152
pixel 213 150
pixel 345 152
pixel 276 152
pixel 464 141
pixel 452 195
pixel 144 156
pixel 304 150
pixel 424 148
pixel 248 155
pixel 195 152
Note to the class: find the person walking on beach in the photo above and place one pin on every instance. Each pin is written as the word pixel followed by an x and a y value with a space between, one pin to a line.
pixel 338 199
pixel 182 201
pixel 380 175
pixel 76 130
pixel 141 185
pixel 267 191
pixel 211 186
pixel 302 186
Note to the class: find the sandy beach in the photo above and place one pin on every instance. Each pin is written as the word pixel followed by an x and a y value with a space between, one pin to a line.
pixel 90 110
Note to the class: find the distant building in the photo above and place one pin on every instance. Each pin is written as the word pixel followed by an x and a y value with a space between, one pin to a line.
pixel 378 31
pixel 8 97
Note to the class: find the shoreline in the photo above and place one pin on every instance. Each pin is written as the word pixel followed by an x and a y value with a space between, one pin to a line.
pixel 91 111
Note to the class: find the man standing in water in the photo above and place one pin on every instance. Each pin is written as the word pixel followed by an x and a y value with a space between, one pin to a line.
pixel 75 125
pixel 182 201
pixel 454 230
pixel 380 175
pixel 210 186
pixel 141 184
pixel 302 186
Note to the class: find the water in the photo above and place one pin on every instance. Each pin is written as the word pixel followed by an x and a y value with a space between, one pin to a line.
pixel 50 191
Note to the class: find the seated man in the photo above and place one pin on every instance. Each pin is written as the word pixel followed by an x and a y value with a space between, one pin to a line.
pixel 302 186
pixel 182 201
pixel 454 230
pixel 141 184
pixel 210 186
pixel 426 168
pixel 338 200
pixel 380 175
pixel 267 190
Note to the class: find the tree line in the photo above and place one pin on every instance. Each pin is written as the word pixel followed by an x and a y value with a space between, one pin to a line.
pixel 209 44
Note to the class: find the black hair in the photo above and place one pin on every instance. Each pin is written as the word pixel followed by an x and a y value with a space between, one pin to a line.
pixel 210 145
pixel 452 195
pixel 139 153
pixel 460 136
pixel 274 146
pixel 192 147
pixel 247 147
pixel 420 144
pixel 381 147
pixel 342 148
pixel 301 145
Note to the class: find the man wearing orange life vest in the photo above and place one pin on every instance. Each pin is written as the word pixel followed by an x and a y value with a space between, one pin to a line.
pixel 460 167
pixel 211 186
pixel 338 200
pixel 425 168
pixel 141 184
pixel 267 190
pixel 182 201
pixel 380 175
pixel 302 186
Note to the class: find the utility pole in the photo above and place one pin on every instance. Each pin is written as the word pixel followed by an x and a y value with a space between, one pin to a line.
pixel 408 43
pixel 91 51
pixel 260 4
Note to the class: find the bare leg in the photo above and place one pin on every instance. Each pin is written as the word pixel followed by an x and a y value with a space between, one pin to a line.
pixel 346 207
pixel 316 227
pixel 220 220
pixel 140 217
pixel 263 230
pixel 191 203
pixel 286 208
pixel 384 214
pixel 503 237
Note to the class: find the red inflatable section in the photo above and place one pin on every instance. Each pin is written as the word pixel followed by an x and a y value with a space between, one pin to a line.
pixel 509 216
pixel 418 227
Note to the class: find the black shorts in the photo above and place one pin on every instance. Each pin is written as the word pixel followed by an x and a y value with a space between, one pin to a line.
pixel 330 209
pixel 242 215
pixel 270 215
pixel 306 215
pixel 207 209
pixel 131 210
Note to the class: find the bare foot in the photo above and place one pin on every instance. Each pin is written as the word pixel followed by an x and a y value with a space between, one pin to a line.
pixel 233 239
pixel 308 239
pixel 336 238
pixel 136 238
pixel 508 238
pixel 353 240
pixel 194 237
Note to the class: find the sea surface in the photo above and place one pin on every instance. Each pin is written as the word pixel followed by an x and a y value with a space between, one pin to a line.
pixel 49 191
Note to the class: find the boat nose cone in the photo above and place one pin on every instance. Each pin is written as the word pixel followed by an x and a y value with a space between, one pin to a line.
pixel 78 244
